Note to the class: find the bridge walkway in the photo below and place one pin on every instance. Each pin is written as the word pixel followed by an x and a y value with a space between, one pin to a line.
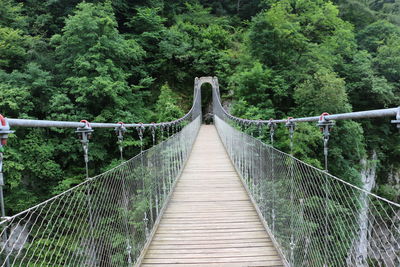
pixel 210 219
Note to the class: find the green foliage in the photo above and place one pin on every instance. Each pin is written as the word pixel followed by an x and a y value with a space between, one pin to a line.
pixel 12 48
pixel 167 108
pixel 356 12
pixel 366 89
pixel 289 30
pixel 389 192
pixel 96 57
pixel 388 61
pixel 324 91
pixel 259 87
pixel 11 14
pixel 364 12
pixel 375 35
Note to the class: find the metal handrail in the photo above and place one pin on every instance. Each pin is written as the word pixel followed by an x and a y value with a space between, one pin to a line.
pixel 71 124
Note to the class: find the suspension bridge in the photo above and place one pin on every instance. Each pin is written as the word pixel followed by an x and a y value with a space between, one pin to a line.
pixel 205 195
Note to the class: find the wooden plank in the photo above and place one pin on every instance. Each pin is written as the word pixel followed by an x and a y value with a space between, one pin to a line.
pixel 205 217
pixel 211 260
pixel 210 219
pixel 190 221
pixel 214 251
pixel 211 237
pixel 210 231
pixel 241 253
pixel 231 264
pixel 221 242
pixel 212 246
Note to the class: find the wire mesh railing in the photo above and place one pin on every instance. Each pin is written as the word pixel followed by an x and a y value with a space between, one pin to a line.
pixel 104 221
pixel 317 219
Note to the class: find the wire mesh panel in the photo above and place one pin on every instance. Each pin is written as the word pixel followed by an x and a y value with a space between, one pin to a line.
pixel 317 219
pixel 104 221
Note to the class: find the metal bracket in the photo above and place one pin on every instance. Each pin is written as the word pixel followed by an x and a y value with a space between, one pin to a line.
pixel 120 131
pixel 260 128
pixel 140 129
pixel 162 126
pixel 4 130
pixel 325 125
pixel 173 127
pixel 397 120
pixel 167 127
pixel 291 126
pixel 272 126
pixel 153 132
pixel 85 133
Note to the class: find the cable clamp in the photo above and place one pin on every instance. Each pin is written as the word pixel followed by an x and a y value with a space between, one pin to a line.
pixel 325 125
pixel 85 131
pixel 140 129
pixel 291 125
pixel 153 128
pixel 120 131
pixel 153 132
pixel 271 125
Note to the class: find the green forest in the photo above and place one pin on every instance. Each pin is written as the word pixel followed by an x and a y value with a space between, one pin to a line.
pixel 135 61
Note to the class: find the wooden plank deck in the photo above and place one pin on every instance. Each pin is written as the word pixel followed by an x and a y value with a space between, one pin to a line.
pixel 210 220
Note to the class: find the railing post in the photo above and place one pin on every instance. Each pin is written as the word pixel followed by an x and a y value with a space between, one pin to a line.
pixel 325 127
pixel 120 131
pixel 140 129
pixel 291 127
pixel 4 132
pixel 163 165
pixel 153 133
pixel 85 133
pixel 259 174
pixel 272 127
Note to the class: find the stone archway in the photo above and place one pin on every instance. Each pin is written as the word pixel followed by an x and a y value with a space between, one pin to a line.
pixel 207 117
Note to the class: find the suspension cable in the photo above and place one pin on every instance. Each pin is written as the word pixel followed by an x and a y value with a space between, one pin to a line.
pixel 120 131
